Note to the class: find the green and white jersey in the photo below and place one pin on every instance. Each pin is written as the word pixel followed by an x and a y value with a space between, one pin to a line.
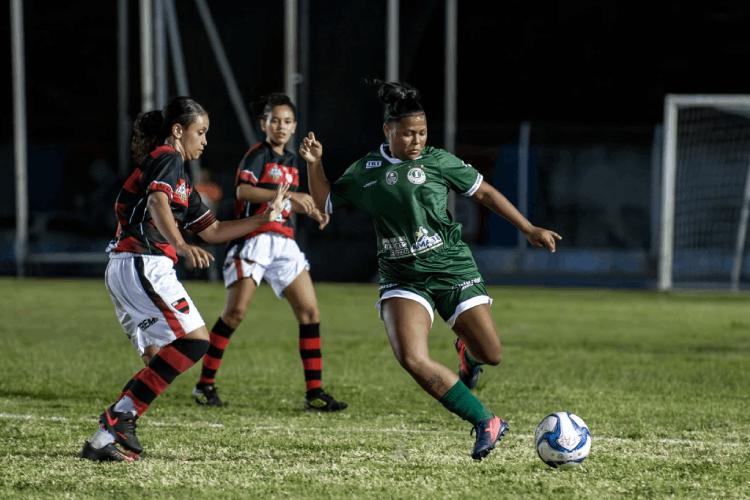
pixel 407 201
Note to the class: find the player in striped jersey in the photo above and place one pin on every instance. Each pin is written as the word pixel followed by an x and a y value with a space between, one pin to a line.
pixel 270 253
pixel 154 309
pixel 422 262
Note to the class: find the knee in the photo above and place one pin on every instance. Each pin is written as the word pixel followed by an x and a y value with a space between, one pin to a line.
pixel 233 316
pixel 413 363
pixel 495 357
pixel 307 315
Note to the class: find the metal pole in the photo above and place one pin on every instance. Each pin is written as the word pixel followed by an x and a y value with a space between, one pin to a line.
pixel 160 53
pixel 226 71
pixel 147 56
pixel 739 249
pixel 175 47
pixel 123 120
pixel 449 102
pixel 524 145
pixel 669 166
pixel 19 135
pixel 290 49
pixel 392 48
pixel 303 99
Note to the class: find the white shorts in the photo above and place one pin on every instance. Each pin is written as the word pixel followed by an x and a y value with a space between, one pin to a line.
pixel 269 256
pixel 151 304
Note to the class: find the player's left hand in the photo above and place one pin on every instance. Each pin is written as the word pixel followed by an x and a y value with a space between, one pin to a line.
pixel 540 237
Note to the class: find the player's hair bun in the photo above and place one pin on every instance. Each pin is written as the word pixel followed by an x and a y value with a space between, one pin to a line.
pixel 149 123
pixel 392 92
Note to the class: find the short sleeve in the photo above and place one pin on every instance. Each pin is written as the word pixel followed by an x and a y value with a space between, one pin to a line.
pixel 341 191
pixel 198 216
pixel 164 174
pixel 461 176
pixel 251 167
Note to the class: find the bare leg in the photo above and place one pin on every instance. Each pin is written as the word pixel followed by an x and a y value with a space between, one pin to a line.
pixel 408 325
pixel 301 296
pixel 239 296
pixel 476 328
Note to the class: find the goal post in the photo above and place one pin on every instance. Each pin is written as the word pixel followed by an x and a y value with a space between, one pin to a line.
pixel 705 190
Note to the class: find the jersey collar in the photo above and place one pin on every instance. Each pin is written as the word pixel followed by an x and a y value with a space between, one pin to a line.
pixel 385 152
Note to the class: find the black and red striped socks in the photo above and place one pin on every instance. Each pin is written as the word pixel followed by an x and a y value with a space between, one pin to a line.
pixel 312 359
pixel 171 360
pixel 220 335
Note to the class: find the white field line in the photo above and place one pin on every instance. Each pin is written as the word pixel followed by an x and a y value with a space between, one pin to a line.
pixel 382 430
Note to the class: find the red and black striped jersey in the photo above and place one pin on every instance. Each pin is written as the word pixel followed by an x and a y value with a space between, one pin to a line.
pixel 262 167
pixel 163 170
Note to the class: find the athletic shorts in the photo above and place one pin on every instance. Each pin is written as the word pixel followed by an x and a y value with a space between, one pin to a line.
pixel 269 256
pixel 151 304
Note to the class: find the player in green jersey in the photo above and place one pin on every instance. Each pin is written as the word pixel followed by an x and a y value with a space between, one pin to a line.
pixel 423 264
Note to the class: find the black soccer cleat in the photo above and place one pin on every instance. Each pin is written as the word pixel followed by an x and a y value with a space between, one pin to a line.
pixel 121 424
pixel 320 400
pixel 489 432
pixel 207 395
pixel 108 453
pixel 469 376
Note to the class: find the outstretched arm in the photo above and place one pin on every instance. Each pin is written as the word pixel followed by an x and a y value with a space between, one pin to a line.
pixel 495 201
pixel 223 231
pixel 311 150
pixel 161 214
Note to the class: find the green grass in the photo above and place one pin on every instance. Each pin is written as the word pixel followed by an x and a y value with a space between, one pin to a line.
pixel 663 382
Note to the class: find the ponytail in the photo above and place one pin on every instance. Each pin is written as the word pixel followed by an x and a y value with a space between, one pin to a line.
pixel 399 100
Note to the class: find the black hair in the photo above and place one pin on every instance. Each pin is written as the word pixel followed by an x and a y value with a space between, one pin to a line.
pixel 152 127
pixel 399 99
pixel 270 101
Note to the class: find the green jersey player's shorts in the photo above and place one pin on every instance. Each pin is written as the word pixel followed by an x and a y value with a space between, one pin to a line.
pixel 446 280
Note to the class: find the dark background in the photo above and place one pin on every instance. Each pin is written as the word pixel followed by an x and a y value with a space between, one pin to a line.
pixel 590 77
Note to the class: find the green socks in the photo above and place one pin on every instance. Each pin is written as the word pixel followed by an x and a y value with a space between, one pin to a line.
pixel 460 400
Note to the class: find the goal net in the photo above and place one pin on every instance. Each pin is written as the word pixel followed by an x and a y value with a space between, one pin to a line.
pixel 705 191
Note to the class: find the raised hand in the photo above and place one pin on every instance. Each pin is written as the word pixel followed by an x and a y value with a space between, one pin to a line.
pixel 311 149
pixel 276 206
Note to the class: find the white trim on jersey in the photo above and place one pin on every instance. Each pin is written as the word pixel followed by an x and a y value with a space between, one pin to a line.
pixel 207 212
pixel 329 204
pixel 475 186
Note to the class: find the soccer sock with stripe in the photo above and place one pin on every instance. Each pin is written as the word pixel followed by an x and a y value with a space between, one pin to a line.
pixel 171 360
pixel 460 400
pixel 312 359
pixel 220 335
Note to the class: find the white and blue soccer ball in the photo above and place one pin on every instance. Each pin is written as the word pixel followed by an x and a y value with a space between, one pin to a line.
pixel 562 440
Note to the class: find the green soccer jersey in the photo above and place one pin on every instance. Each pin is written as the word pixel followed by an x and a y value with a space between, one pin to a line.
pixel 407 201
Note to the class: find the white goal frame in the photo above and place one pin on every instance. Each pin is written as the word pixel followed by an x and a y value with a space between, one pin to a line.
pixel 672 104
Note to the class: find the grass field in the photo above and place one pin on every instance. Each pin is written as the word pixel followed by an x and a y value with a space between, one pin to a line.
pixel 663 382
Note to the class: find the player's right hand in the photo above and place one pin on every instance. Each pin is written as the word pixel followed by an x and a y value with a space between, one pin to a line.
pixel 195 256
pixel 302 203
pixel 276 206
pixel 321 218
pixel 311 149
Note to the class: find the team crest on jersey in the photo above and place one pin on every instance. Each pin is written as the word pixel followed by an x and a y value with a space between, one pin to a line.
pixel 275 173
pixel 391 178
pixel 416 175
pixel 181 305
pixel 181 192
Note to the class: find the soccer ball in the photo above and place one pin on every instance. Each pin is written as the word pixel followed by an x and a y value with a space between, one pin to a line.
pixel 562 440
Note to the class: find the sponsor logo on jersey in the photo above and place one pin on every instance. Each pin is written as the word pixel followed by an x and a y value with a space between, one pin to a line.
pixel 391 178
pixel 373 164
pixel 143 325
pixel 387 286
pixel 181 305
pixel 467 284
pixel 368 184
pixel 181 192
pixel 396 247
pixel 424 241
pixel 416 175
